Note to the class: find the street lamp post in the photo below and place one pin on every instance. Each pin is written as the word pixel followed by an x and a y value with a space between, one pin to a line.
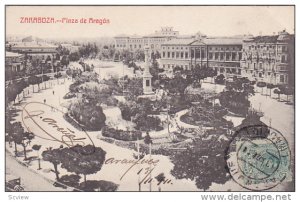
pixel 123 76
pixel 43 75
pixel 39 160
pixel 139 177
pixel 168 120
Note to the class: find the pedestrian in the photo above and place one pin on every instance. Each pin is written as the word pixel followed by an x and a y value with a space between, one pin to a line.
pixel 44 101
pixel 53 92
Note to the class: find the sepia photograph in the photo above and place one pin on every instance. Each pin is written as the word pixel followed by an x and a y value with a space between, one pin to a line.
pixel 161 98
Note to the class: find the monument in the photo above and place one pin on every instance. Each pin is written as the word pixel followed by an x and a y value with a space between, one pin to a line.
pixel 147 86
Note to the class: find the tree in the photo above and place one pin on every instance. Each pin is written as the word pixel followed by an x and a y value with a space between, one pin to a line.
pixel 37 149
pixel 278 92
pixel 199 73
pixel 177 69
pixel 160 178
pixel 54 156
pixel 134 87
pixel 236 94
pixel 177 85
pixel 286 90
pixel 202 161
pixel 89 114
pixel 261 85
pixel 154 70
pixel 73 57
pixel 148 141
pixel 145 123
pixel 21 137
pixel 32 80
pixel 17 132
pixel 270 86
pixel 85 160
pixel 45 78
pixel 11 92
pixel 62 50
pixel 21 85
pixel 26 139
pixel 220 79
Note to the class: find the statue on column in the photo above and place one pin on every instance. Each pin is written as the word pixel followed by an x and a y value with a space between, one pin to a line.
pixel 147 85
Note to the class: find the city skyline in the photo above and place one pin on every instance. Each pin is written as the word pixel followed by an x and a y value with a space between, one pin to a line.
pixel 227 21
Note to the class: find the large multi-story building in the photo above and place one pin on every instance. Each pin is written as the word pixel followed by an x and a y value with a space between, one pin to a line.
pixel 269 58
pixel 153 41
pixel 262 58
pixel 220 53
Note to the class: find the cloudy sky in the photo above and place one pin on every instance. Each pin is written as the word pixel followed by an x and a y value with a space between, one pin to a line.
pixel 141 20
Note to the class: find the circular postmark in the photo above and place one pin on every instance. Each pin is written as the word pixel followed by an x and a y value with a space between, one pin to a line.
pixel 258 157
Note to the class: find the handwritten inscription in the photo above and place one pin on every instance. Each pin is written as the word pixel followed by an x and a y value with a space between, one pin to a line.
pixel 49 128
pixel 145 172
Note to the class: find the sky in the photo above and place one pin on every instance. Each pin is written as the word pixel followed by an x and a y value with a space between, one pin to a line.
pixel 143 20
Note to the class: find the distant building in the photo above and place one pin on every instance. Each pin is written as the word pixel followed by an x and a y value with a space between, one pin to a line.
pixel 14 62
pixel 262 58
pixel 154 40
pixel 70 47
pixel 269 58
pixel 176 52
pixel 35 49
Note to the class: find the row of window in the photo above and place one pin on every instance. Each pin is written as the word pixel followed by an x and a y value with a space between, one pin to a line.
pixel 174 65
pixel 181 55
pixel 173 48
pixel 230 48
pixel 267 47
pixel 135 46
pixel 233 56
pixel 282 78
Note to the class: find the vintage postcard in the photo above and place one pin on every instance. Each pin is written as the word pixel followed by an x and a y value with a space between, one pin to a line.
pixel 149 98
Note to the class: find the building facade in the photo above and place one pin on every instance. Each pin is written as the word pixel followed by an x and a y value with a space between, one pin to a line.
pixel 262 58
pixel 153 41
pixel 14 62
pixel 269 58
pixel 36 50
pixel 220 53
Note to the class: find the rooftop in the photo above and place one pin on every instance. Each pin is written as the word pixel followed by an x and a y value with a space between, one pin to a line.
pixel 32 44
pixel 281 36
pixel 179 41
pixel 222 41
pixel 11 54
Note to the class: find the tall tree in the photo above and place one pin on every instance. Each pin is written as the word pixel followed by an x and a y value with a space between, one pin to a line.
pixel 17 132
pixel 54 156
pixel 85 160
pixel 203 161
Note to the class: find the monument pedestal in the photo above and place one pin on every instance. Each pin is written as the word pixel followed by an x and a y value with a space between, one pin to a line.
pixel 147 85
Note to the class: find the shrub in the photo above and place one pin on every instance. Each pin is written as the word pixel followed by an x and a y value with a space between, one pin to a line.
pixel 69 95
pixel 101 185
pixel 235 102
pixel 121 134
pixel 220 79
pixel 88 114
